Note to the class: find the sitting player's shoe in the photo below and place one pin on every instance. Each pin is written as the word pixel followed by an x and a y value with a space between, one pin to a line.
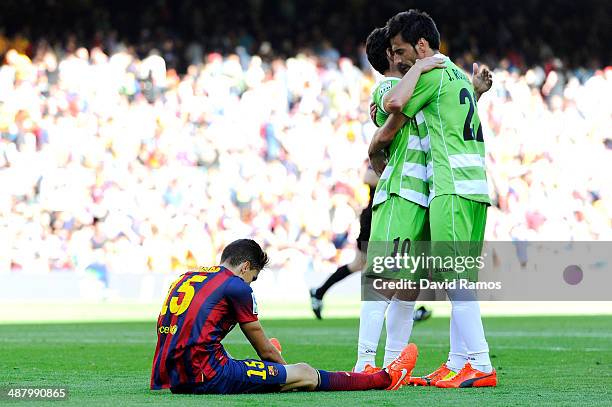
pixel 469 377
pixel 369 369
pixel 421 314
pixel 441 373
pixel 401 368
pixel 316 303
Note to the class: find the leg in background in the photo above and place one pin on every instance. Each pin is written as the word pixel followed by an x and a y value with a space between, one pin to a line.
pixel 316 295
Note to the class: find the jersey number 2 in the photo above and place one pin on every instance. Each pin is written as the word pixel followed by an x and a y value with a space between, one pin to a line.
pixel 468 130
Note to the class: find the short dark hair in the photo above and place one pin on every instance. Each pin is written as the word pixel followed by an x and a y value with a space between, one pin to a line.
pixel 376 49
pixel 414 25
pixel 242 250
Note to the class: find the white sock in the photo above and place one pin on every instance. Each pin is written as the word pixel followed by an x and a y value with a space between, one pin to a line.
pixel 467 317
pixel 370 327
pixel 481 361
pixel 457 357
pixel 399 327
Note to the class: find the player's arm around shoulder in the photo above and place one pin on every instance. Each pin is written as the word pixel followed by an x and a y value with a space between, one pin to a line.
pixel 412 83
pixel 260 342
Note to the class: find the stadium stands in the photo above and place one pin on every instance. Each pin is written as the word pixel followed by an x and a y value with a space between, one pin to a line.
pixel 108 157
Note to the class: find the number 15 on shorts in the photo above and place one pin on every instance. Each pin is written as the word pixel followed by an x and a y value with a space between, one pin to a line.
pixel 260 369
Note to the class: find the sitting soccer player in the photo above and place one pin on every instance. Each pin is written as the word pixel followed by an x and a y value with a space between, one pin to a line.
pixel 203 306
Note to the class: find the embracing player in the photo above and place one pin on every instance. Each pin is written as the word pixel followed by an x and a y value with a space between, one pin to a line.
pixel 443 106
pixel 400 202
pixel 398 309
pixel 203 306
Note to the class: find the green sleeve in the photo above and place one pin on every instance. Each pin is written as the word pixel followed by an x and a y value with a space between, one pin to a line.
pixel 378 97
pixel 424 93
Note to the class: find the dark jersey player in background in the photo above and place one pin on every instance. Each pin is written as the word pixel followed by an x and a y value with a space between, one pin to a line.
pixel 365 219
pixel 203 306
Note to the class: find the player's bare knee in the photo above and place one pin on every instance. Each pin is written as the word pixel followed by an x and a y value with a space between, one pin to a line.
pixel 305 368
pixel 309 375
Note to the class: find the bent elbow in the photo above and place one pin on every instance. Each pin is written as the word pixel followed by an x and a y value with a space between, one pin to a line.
pixel 392 105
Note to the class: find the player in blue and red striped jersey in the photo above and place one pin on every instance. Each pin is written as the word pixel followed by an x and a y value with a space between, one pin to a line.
pixel 204 305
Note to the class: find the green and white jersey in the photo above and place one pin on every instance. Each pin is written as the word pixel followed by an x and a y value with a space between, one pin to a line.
pixel 406 173
pixel 446 114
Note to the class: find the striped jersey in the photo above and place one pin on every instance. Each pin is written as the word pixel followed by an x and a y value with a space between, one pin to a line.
pixel 445 110
pixel 405 174
pixel 201 308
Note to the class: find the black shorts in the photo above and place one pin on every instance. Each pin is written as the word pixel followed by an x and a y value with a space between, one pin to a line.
pixel 365 222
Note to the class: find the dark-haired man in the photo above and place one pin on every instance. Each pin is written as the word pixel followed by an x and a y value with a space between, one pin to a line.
pixel 203 306
pixel 399 309
pixel 443 104
pixel 377 47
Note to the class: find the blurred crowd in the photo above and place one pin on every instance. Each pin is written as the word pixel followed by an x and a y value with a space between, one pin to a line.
pixel 549 154
pixel 112 160
pixel 528 32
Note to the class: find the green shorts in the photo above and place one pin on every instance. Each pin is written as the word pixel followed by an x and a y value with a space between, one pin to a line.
pixel 457 227
pixel 398 228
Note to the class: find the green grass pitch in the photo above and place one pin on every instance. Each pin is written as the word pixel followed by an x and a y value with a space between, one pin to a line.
pixel 540 360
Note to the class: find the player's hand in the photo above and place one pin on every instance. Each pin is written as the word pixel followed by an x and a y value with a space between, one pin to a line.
pixel 482 78
pixel 373 110
pixel 429 63
pixel 378 160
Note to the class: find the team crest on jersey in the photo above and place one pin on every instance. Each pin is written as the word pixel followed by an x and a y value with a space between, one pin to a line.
pixel 384 87
pixel 272 371
pixel 255 311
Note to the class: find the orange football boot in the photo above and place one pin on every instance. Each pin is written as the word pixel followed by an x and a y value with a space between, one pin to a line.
pixel 369 369
pixel 469 377
pixel 406 381
pixel 441 373
pixel 401 368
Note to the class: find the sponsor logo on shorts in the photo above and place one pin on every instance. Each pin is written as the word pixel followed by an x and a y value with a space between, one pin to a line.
pixel 272 370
